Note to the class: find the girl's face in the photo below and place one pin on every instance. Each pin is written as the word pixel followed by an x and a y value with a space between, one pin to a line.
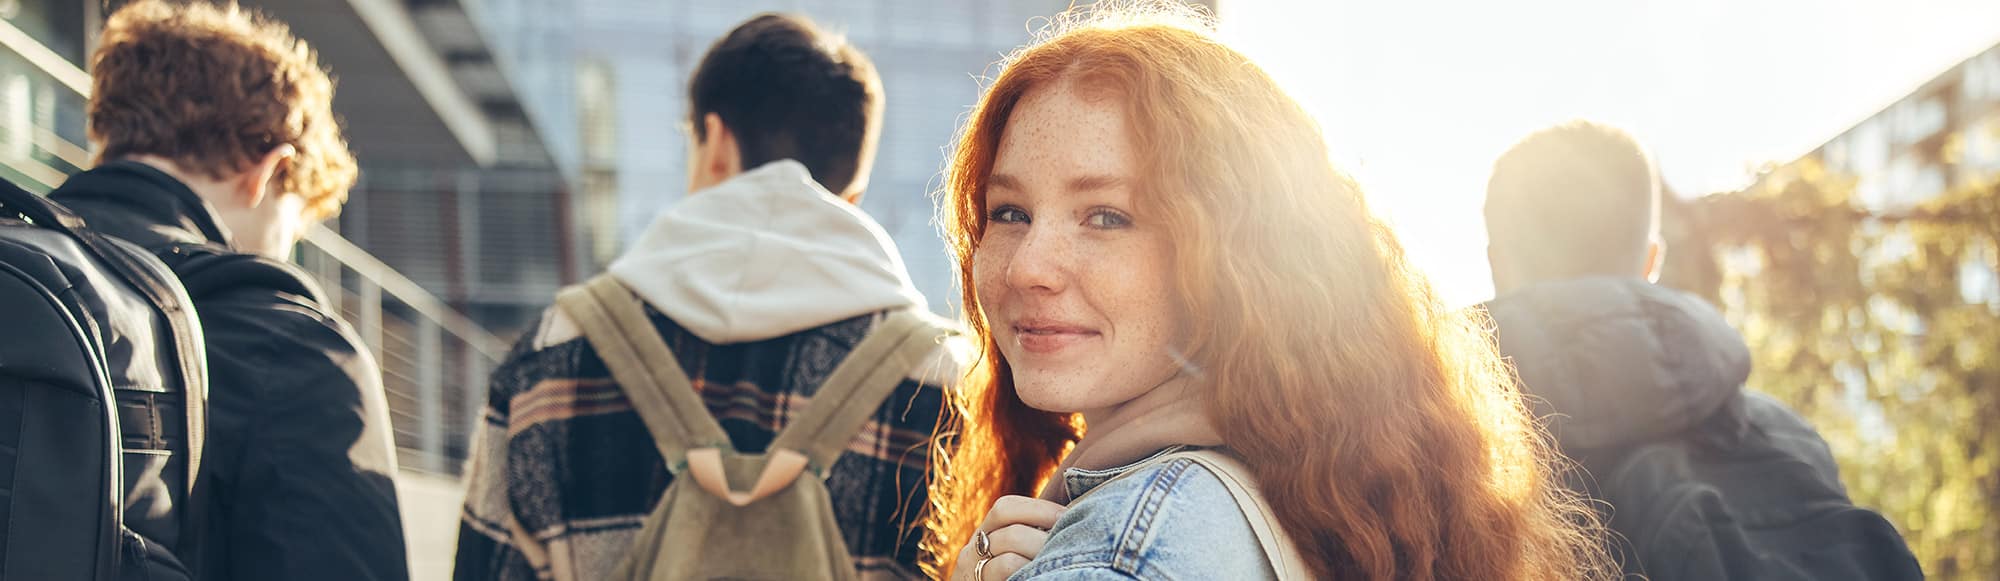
pixel 1072 279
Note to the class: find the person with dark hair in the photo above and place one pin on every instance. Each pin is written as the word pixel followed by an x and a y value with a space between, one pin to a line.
pixel 759 285
pixel 761 96
pixel 216 147
pixel 1643 385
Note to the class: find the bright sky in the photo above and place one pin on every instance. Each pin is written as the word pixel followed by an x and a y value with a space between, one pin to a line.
pixel 1418 97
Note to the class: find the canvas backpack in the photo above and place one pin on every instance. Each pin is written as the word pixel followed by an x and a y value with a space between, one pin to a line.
pixel 727 514
pixel 103 390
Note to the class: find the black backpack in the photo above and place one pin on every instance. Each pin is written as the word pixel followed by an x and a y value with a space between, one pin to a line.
pixel 1747 494
pixel 103 388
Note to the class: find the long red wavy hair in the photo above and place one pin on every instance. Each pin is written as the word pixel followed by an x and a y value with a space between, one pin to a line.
pixel 1383 427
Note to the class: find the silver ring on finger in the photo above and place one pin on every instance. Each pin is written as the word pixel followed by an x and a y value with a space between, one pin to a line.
pixel 979 569
pixel 982 545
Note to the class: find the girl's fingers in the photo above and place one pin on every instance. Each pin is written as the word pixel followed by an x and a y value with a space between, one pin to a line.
pixel 1013 510
pixel 1001 567
pixel 1022 540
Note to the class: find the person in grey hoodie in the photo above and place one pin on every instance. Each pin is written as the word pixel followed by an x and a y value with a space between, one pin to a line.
pixel 1643 385
pixel 760 282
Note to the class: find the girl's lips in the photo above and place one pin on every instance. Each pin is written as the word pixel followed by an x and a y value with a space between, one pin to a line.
pixel 1045 339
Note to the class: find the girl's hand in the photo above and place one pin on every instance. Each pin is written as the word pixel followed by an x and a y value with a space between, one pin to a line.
pixel 1011 535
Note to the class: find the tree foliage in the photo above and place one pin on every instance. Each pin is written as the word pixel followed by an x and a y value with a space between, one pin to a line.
pixel 1882 327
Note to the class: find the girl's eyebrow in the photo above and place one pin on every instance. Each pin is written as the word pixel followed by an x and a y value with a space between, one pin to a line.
pixel 1078 184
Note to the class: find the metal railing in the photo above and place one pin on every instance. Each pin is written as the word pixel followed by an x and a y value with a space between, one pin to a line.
pixel 434 359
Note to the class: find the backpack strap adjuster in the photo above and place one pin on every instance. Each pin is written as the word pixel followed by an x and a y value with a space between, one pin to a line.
pixel 781 467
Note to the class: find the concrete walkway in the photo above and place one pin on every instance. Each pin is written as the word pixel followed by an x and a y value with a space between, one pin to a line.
pixel 430 522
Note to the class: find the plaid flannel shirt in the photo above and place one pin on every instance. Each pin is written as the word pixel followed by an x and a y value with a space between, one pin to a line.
pixel 564 471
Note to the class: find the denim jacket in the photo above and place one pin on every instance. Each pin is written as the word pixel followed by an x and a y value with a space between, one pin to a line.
pixel 1173 520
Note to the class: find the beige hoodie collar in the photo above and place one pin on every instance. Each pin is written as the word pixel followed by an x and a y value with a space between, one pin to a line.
pixel 1169 416
pixel 765 254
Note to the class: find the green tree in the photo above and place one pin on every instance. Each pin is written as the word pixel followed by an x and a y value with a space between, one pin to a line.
pixel 1882 328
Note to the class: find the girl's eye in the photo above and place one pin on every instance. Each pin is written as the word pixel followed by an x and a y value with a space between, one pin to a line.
pixel 1107 219
pixel 1007 215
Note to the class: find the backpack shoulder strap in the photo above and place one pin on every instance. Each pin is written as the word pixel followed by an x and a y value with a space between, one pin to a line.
pixel 147 275
pixel 1278 546
pixel 207 271
pixel 857 386
pixel 615 323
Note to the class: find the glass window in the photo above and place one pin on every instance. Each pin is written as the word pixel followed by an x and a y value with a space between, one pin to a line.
pixel 955 24
pixel 41 125
pixel 1982 79
pixel 1834 155
pixel 1868 147
pixel 909 22
pixel 860 20
pixel 1011 24
pixel 57 24
pixel 1917 119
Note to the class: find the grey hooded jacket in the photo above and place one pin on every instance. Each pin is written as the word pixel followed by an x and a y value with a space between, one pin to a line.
pixel 1613 362
pixel 1643 386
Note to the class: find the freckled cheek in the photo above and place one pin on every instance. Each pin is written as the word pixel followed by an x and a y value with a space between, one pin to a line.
pixel 989 272
pixel 1137 286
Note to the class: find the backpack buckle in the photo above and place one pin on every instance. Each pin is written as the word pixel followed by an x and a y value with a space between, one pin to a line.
pixel 780 469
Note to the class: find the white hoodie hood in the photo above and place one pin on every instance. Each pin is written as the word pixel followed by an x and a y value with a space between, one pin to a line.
pixel 765 254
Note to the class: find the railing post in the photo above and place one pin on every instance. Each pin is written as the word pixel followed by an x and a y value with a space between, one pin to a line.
pixel 475 393
pixel 430 395
pixel 467 232
pixel 330 274
pixel 370 313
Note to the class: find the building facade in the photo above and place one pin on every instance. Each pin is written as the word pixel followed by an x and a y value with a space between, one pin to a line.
pixel 606 81
pixel 1943 135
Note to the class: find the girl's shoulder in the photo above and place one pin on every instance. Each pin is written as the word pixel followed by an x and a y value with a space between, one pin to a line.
pixel 1169 519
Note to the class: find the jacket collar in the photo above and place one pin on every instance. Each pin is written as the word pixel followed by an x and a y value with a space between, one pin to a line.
pixel 138 202
pixel 1079 481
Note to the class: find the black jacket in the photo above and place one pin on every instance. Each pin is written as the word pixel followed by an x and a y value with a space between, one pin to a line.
pixel 299 458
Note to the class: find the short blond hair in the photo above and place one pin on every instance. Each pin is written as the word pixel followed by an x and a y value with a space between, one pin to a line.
pixel 1575 199
pixel 214 88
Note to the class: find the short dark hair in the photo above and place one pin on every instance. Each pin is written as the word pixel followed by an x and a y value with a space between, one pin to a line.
pixel 1577 199
pixel 791 91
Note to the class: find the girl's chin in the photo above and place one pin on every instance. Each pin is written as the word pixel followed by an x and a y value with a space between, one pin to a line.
pixel 1052 398
pixel 1047 399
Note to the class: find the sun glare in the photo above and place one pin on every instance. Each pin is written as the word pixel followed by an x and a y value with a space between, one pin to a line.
pixel 1417 99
